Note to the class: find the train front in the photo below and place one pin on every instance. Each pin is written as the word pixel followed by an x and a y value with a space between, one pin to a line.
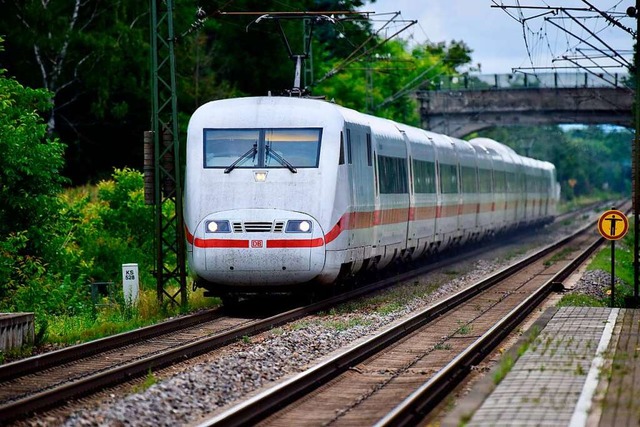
pixel 259 187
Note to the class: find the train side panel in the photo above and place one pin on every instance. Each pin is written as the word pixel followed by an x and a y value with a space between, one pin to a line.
pixel 421 234
pixel 284 192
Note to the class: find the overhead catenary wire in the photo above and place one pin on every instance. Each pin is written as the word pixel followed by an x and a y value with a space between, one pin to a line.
pixel 577 35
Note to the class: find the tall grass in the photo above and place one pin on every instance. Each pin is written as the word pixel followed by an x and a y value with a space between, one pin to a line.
pixel 112 317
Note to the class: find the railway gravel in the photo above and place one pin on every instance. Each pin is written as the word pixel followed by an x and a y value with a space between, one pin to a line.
pixel 247 366
pixel 594 283
pixel 205 387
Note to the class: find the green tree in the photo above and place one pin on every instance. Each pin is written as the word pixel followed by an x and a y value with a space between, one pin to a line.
pixel 588 159
pixel 395 71
pixel 30 182
pixel 30 162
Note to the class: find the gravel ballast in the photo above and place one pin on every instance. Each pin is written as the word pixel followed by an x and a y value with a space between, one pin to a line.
pixel 212 383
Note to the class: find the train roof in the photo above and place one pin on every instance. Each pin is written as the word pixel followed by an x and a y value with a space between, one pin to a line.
pixel 293 108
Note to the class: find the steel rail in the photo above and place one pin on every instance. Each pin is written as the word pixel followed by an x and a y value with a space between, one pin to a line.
pixel 51 359
pixel 33 364
pixel 422 401
pixel 415 407
pixel 267 402
pixel 110 377
pixel 125 372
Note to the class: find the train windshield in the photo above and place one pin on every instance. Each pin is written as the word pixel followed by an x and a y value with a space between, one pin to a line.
pixel 262 148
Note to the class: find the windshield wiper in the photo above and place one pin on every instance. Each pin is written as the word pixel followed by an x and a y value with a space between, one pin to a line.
pixel 252 152
pixel 281 159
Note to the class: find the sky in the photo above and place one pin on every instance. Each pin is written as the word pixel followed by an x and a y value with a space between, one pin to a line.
pixel 498 40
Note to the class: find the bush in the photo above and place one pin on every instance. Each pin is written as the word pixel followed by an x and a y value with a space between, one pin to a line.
pixel 113 226
pixel 30 181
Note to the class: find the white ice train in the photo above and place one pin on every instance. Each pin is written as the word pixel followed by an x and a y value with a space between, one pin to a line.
pixel 285 192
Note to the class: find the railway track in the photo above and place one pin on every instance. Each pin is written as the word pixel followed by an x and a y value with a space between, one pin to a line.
pixel 401 374
pixel 44 381
pixel 37 383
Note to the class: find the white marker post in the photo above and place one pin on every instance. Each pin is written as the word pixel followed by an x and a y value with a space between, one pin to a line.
pixel 130 283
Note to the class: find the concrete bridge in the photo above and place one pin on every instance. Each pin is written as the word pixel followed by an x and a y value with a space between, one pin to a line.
pixel 465 105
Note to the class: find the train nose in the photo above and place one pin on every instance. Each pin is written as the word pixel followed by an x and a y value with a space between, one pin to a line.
pixel 256 246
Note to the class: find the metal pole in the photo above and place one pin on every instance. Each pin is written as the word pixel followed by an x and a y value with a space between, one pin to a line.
pixel 169 227
pixel 636 173
pixel 613 268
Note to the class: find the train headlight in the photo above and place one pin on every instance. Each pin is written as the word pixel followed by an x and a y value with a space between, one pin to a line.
pixel 260 176
pixel 218 226
pixel 298 226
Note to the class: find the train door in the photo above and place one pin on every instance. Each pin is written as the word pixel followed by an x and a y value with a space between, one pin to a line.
pixel 349 137
pixel 450 199
pixel 469 199
pixel 392 198
pixel 410 232
pixel 360 177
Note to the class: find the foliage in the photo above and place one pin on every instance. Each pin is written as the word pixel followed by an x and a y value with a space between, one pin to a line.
pixel 109 317
pixel 588 159
pixel 624 275
pixel 113 226
pixel 30 220
pixel 394 71
pixel 29 163
pixel 579 300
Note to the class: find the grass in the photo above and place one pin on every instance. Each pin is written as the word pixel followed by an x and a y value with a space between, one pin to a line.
pixel 464 328
pixel 343 325
pixel 149 380
pixel 507 361
pixel 390 307
pixel 624 275
pixel 582 201
pixel 443 346
pixel 559 256
pixel 579 300
pixel 505 366
pixel 110 317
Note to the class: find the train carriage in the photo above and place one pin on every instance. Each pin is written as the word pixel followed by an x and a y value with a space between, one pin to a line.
pixel 282 193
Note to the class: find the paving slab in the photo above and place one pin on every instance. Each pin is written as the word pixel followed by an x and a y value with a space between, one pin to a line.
pixel 579 366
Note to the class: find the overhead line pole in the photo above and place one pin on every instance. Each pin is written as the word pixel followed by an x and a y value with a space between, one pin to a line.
pixel 636 161
pixel 170 267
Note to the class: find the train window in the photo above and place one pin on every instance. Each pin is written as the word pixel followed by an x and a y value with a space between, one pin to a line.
pixel 484 180
pixel 468 179
pixel 393 175
pixel 448 179
pixel 223 147
pixel 375 173
pixel 369 149
pixel 500 181
pixel 512 182
pixel 264 148
pixel 341 161
pixel 299 147
pixel 349 146
pixel 424 176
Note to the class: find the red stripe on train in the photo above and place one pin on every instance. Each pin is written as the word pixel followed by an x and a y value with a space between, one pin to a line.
pixel 295 243
pixel 220 243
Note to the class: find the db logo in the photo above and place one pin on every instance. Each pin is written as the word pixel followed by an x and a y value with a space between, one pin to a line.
pixel 256 243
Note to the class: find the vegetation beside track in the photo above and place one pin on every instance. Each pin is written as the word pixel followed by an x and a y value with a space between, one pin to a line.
pixel 54 243
pixel 97 224
pixel 624 275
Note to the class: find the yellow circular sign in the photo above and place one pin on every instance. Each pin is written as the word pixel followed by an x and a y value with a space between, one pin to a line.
pixel 613 225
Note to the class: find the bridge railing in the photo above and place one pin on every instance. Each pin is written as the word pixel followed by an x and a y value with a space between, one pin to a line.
pixel 522 80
